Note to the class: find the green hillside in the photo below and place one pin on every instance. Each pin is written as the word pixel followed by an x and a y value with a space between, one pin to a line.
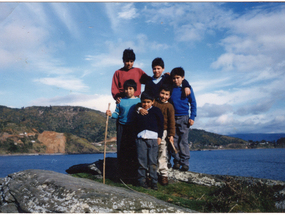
pixel 201 139
pixel 81 126
pixel 80 121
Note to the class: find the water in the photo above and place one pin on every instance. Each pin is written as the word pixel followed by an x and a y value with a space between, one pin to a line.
pixel 258 163
pixel 57 163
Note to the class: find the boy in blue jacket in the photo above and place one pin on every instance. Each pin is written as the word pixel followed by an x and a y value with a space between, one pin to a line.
pixel 149 131
pixel 183 119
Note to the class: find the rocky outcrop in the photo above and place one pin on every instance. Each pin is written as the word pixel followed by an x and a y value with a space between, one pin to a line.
pixel 54 142
pixel 96 169
pixel 41 191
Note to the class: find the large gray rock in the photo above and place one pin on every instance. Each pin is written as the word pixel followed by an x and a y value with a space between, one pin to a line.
pixel 41 191
pixel 187 176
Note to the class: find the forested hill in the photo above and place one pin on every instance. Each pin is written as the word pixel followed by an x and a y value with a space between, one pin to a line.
pixel 83 122
pixel 201 139
pixel 22 131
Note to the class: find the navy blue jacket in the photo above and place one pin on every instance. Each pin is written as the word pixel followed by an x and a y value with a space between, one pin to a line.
pixel 153 121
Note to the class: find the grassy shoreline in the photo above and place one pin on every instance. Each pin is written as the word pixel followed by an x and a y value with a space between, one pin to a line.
pixel 234 197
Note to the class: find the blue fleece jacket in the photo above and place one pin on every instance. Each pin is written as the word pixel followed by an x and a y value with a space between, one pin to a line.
pixel 182 104
pixel 125 110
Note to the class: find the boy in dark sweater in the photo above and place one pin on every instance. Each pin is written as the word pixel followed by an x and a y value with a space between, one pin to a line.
pixel 153 84
pixel 149 131
pixel 183 119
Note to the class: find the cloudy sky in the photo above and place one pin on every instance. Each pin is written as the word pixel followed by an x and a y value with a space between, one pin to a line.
pixel 66 54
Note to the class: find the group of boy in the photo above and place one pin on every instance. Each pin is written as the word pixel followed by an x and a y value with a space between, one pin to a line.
pixel 153 125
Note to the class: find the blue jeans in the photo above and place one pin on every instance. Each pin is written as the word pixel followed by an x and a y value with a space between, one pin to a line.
pixel 147 150
pixel 181 141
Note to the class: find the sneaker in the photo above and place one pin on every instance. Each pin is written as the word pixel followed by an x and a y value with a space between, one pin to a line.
pixel 148 181
pixel 176 166
pixel 184 168
pixel 164 181
pixel 144 185
pixel 154 187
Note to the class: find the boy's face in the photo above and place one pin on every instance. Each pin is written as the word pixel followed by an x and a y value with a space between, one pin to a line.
pixel 128 64
pixel 157 71
pixel 147 103
pixel 129 92
pixel 177 80
pixel 164 95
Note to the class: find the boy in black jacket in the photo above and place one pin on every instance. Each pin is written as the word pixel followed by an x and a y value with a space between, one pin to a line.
pixel 149 131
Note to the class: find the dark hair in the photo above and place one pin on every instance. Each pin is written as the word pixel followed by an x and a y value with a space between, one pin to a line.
pixel 157 62
pixel 146 95
pixel 178 71
pixel 130 83
pixel 129 54
pixel 166 87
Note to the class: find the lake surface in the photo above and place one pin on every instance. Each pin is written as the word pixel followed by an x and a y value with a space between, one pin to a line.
pixel 258 163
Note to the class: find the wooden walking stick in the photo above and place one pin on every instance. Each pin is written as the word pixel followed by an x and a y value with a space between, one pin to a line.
pixel 105 145
pixel 172 144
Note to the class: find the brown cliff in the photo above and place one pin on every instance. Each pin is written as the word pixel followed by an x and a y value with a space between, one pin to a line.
pixel 54 142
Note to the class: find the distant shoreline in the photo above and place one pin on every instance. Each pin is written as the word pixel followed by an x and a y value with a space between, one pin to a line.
pixel 110 152
pixel 40 154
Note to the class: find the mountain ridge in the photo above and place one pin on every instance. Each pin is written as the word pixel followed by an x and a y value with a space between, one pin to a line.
pixel 258 136
pixel 83 129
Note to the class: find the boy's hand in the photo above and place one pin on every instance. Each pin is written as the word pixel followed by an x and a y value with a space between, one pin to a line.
pixel 170 138
pixel 143 111
pixel 108 113
pixel 118 100
pixel 187 91
pixel 191 122
pixel 158 141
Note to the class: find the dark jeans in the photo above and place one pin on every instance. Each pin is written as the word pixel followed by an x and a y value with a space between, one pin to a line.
pixel 181 141
pixel 126 151
pixel 147 150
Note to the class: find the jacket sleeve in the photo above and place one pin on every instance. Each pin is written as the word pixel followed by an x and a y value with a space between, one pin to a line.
pixel 171 121
pixel 160 120
pixel 116 113
pixel 185 84
pixel 144 77
pixel 115 89
pixel 193 105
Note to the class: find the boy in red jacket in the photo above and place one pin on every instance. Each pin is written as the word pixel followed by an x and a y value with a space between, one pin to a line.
pixel 126 73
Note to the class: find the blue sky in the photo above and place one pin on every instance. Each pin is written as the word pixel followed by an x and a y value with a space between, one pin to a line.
pixel 66 54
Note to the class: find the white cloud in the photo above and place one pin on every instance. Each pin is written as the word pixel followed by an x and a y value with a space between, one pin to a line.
pixel 120 14
pixel 128 11
pixel 114 51
pixel 66 15
pixel 213 110
pixel 190 22
pixel 68 83
pixel 96 102
pixel 158 46
pixel 256 41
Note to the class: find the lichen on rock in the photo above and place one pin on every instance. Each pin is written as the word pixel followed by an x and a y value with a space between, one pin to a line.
pixel 41 191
